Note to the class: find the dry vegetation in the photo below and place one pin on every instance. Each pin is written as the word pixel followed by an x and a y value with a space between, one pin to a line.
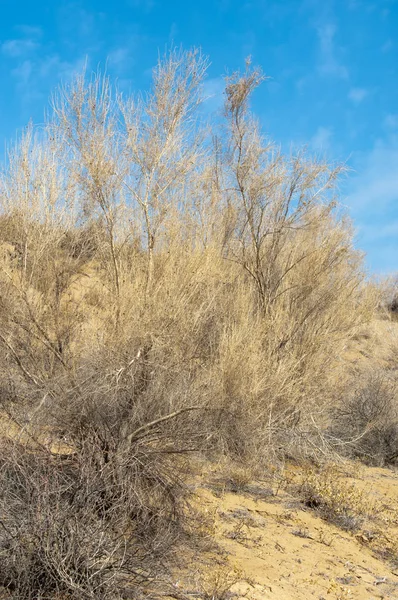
pixel 299 534
pixel 168 286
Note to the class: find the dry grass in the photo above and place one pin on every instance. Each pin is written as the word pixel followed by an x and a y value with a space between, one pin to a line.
pixel 339 502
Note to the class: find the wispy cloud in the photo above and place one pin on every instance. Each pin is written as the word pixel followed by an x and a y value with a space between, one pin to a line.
pixel 357 95
pixel 375 185
pixel 27 43
pixel 30 31
pixel 145 5
pixel 391 122
pixel 329 64
pixel 213 92
pixel 23 72
pixel 54 66
pixel 354 4
pixel 322 138
pixel 118 58
pixel 34 65
pixel 173 33
pixel 372 199
pixel 35 77
pixel 387 46
pixel 123 55
pixel 371 233
pixel 18 47
pixel 31 72
pixel 249 43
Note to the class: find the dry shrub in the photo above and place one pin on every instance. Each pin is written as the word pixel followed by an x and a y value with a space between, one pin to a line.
pixel 53 538
pixel 337 501
pixel 366 422
pixel 239 285
pixel 388 292
pixel 234 477
pixel 162 294
pixel 84 528
pixel 217 582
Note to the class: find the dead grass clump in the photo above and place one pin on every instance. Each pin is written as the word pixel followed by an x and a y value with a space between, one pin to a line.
pixel 235 478
pixel 217 582
pixel 337 501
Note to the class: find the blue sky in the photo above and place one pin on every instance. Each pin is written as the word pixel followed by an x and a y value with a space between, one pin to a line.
pixel 333 68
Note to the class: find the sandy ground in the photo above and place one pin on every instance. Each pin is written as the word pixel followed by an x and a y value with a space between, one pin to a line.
pixel 272 546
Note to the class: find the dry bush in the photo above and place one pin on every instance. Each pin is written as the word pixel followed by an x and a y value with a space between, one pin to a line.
pixel 240 294
pixel 233 477
pixel 161 294
pixel 366 422
pixel 70 528
pixel 337 501
pixel 391 299
pixel 216 584
pixel 387 291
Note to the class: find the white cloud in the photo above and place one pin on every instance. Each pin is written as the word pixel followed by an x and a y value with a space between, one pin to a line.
pixel 18 48
pixel 371 233
pixel 302 83
pixel 146 5
pixel 53 66
pixel 357 95
pixel 329 64
pixel 36 78
pixel 249 43
pixel 118 57
pixel 375 185
pixel 321 139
